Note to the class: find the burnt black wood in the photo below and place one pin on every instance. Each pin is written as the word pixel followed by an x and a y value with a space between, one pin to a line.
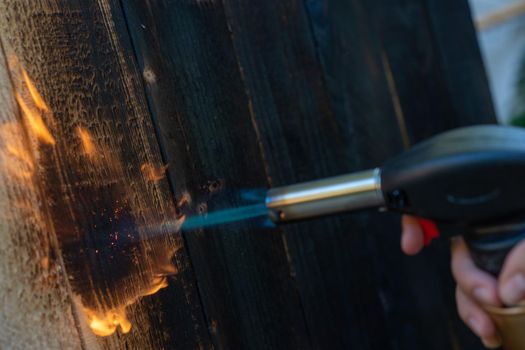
pixel 247 94
pixel 436 60
pixel 200 103
pixel 335 280
pixel 86 73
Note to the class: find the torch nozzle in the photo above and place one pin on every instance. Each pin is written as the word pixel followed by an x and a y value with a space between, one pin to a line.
pixel 333 195
pixel 349 192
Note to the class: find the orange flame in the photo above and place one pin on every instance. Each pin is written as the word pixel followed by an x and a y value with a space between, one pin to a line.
pixel 35 121
pixel 20 154
pixel 106 323
pixel 37 98
pixel 157 284
pixel 87 142
pixel 14 157
pixel 31 103
pixel 152 173
pixel 20 162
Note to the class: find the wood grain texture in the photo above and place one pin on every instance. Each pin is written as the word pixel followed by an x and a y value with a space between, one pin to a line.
pixel 98 191
pixel 299 86
pixel 455 40
pixel 240 95
pixel 314 98
pixel 434 72
pixel 431 100
pixel 397 47
pixel 199 102
pixel 34 290
pixel 292 101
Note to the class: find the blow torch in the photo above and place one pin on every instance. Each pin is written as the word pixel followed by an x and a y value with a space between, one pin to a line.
pixel 469 181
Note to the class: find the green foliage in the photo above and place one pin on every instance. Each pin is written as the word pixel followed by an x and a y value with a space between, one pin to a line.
pixel 518 120
pixel 519 115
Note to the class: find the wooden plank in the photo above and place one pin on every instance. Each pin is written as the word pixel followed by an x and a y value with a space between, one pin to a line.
pixel 402 47
pixel 294 101
pixel 420 69
pixel 203 117
pixel 100 170
pixel 305 117
pixel 413 77
pixel 360 84
pixel 429 104
pixel 413 66
pixel 243 95
pixel 457 47
pixel 33 284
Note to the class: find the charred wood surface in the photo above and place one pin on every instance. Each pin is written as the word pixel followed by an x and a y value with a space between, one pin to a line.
pixel 81 101
pixel 33 285
pixel 97 97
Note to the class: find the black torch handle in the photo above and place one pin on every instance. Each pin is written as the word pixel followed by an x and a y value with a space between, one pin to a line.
pixel 490 245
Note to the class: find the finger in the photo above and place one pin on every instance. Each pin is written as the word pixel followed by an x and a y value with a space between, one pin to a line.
pixel 412 236
pixel 477 320
pixel 512 278
pixel 477 284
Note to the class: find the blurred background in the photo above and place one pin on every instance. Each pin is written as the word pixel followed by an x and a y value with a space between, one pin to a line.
pixel 501 34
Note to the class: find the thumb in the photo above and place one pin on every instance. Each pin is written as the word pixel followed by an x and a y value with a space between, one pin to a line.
pixel 511 284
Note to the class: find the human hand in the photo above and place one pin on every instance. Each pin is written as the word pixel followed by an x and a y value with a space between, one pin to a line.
pixel 474 286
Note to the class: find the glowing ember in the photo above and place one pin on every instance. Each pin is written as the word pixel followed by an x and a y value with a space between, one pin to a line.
pixel 87 142
pixel 151 173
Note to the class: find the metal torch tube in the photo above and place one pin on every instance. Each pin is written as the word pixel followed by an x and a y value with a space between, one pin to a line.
pixel 349 192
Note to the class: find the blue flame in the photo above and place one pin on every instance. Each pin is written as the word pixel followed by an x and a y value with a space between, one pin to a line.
pixel 226 216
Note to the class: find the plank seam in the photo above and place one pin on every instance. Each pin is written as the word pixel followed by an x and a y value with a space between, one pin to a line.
pixel 171 185
pixel 256 128
pixel 396 102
